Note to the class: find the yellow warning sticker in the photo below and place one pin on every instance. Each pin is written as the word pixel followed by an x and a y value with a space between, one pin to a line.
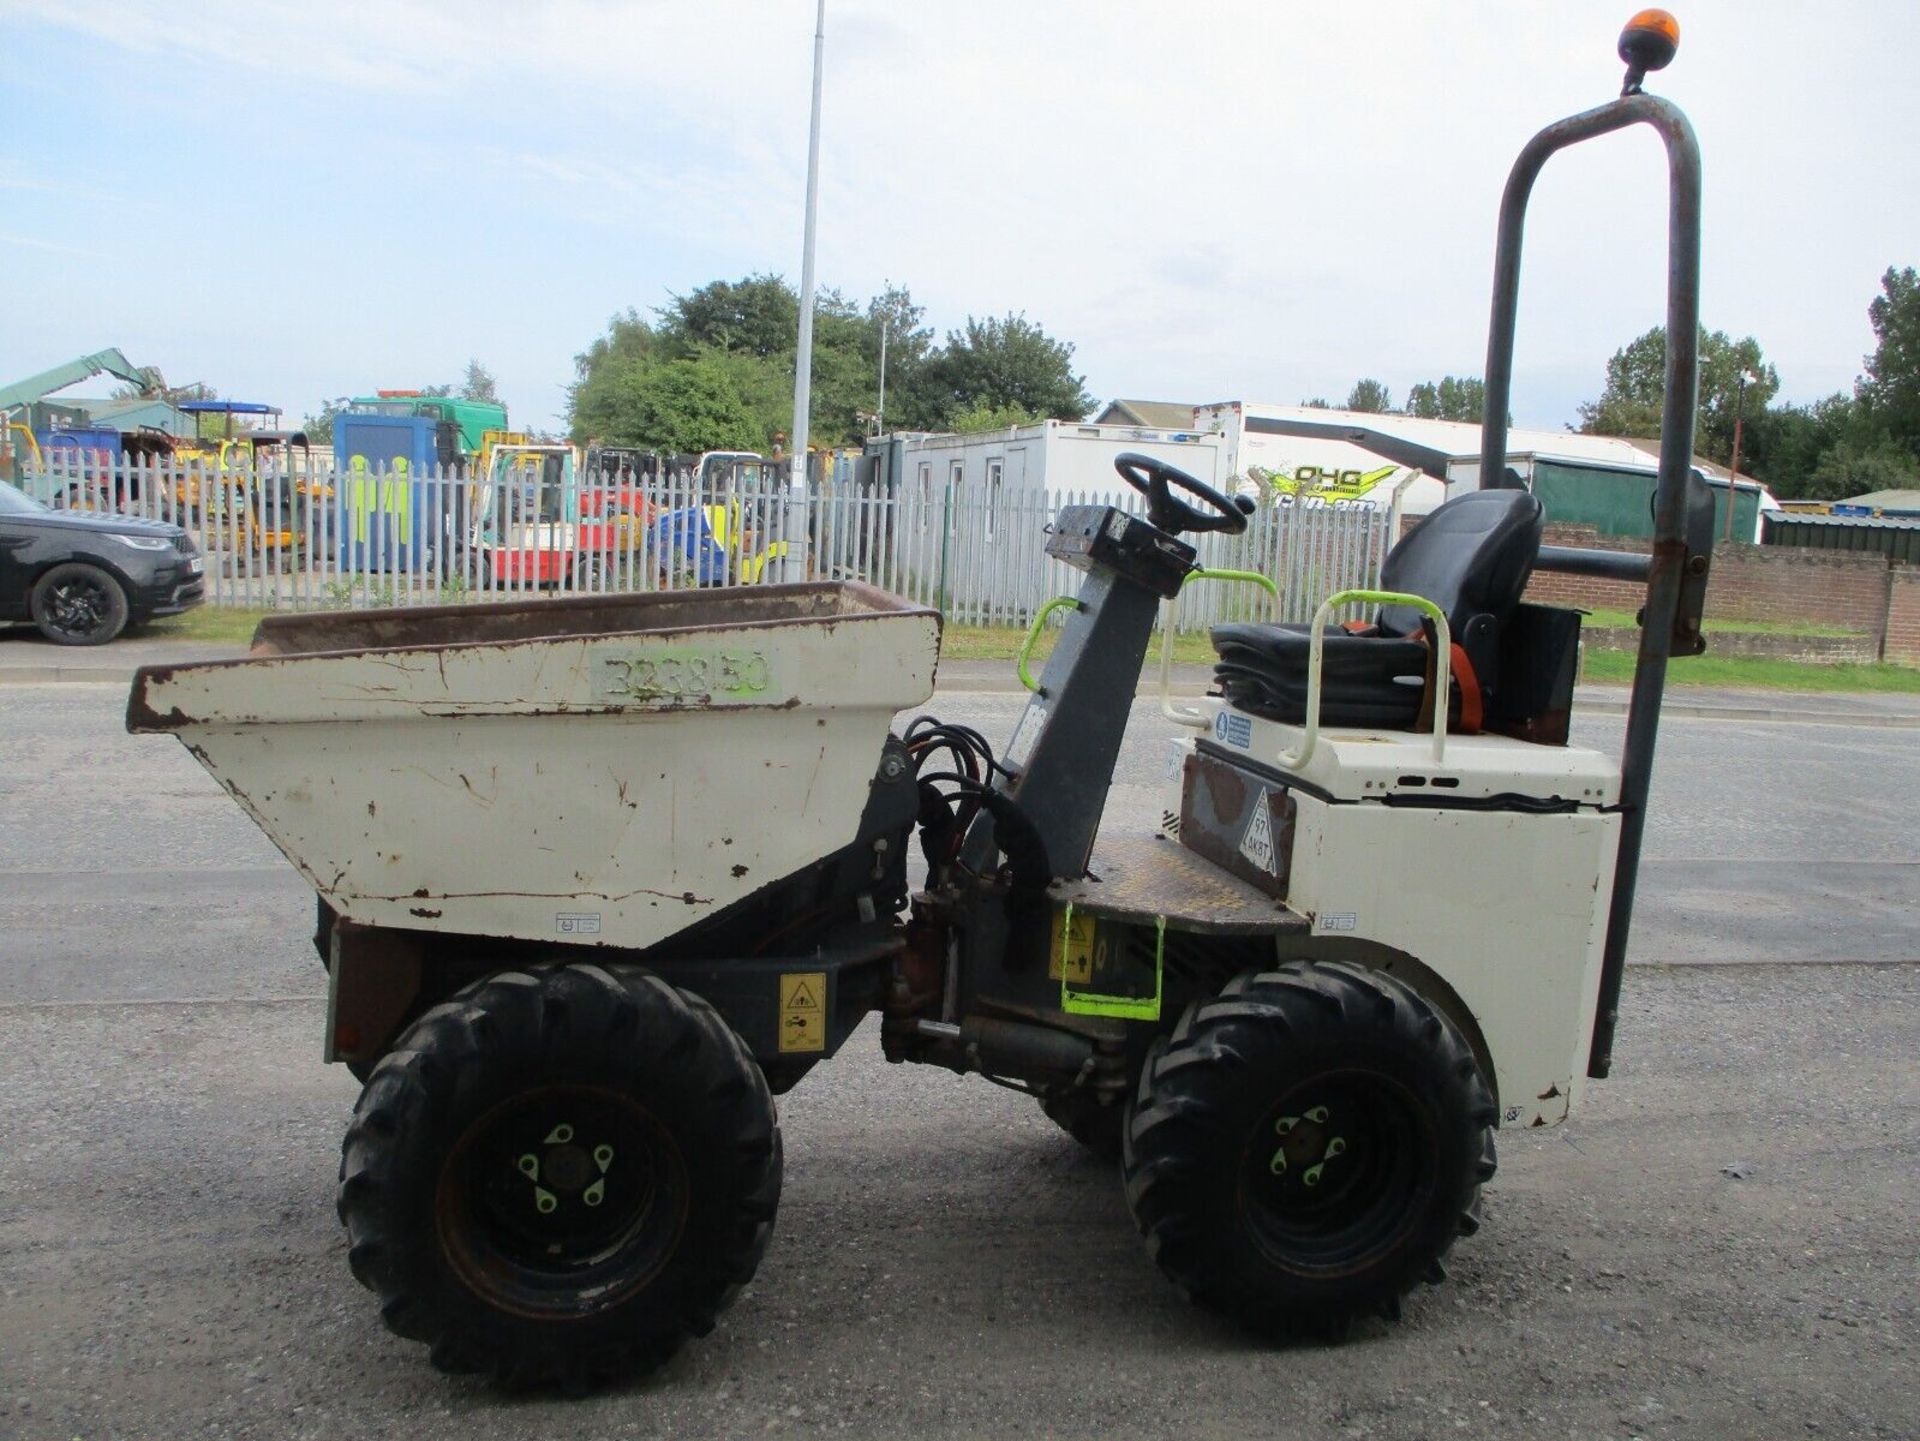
pixel 803 1011
pixel 1073 948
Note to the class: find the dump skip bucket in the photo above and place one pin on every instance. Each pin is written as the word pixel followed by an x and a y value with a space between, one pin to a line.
pixel 600 770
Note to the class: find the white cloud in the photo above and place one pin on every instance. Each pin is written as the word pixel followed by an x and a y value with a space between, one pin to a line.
pixel 1235 199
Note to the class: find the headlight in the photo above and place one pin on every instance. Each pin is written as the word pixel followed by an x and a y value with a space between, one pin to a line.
pixel 146 542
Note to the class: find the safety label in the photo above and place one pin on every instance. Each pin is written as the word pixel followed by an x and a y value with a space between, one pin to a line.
pixel 803 1011
pixel 1073 950
pixel 1235 730
pixel 1257 844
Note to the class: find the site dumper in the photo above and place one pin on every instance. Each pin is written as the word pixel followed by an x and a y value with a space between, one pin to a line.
pixel 599 877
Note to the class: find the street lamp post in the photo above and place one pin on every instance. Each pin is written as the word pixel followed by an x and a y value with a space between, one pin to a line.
pixel 1733 470
pixel 880 411
pixel 794 567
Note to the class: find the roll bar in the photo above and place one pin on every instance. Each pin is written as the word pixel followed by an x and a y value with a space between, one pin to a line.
pixel 1676 572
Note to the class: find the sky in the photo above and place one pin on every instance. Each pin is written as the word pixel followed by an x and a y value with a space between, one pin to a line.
pixel 292 202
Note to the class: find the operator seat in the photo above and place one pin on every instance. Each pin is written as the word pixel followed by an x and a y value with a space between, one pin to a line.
pixel 1471 557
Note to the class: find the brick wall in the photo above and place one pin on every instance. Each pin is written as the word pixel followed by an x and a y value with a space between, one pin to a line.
pixel 1748 582
pixel 1903 616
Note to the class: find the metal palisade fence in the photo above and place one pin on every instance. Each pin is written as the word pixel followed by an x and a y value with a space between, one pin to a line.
pixel 330 538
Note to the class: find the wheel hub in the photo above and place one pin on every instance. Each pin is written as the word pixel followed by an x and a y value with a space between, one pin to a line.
pixel 1332 1170
pixel 76 606
pixel 557 1189
pixel 1308 1145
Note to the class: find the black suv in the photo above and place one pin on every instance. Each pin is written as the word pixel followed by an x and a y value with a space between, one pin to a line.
pixel 84 577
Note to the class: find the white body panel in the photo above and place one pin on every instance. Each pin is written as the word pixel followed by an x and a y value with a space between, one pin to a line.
pixel 1052 456
pixel 1507 907
pixel 1366 765
pixel 608 788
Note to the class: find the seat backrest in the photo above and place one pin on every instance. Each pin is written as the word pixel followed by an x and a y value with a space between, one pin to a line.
pixel 1472 556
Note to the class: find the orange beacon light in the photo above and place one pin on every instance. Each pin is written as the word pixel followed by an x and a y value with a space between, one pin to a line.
pixel 1648 43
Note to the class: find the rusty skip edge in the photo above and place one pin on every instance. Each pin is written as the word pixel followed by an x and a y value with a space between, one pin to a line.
pixel 429 628
pixel 144 718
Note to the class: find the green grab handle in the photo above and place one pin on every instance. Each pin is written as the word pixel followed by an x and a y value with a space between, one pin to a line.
pixel 1059 602
pixel 1249 577
pixel 1183 715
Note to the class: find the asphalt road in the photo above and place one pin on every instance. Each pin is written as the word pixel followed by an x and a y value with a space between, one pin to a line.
pixel 946 1262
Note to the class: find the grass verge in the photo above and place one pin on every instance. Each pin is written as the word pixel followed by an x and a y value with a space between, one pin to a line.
pixel 210 625
pixel 221 625
pixel 992 642
pixel 1625 620
pixel 1741 672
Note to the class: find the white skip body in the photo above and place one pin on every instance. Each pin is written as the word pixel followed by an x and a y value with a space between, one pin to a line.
pixel 409 764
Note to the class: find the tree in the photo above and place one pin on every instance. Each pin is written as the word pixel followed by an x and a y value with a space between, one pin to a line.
pixel 604 375
pixel 1889 391
pixel 741 334
pixel 1633 402
pixel 1317 403
pixel 679 406
pixel 1855 467
pixel 759 315
pixel 478 384
pixel 1449 398
pixel 1009 362
pixel 913 398
pixel 991 417
pixel 1783 445
pixel 319 424
pixel 1370 396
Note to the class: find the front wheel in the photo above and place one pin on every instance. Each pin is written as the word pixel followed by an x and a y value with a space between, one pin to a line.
pixel 559 1176
pixel 1306 1147
pixel 78 604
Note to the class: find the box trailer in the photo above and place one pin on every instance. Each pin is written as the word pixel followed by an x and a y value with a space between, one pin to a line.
pixel 1049 457
pixel 1312 457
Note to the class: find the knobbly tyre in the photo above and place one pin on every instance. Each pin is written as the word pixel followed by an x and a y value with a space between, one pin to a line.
pixel 598 877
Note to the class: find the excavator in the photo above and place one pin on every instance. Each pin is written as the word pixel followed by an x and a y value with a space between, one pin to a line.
pixel 17 422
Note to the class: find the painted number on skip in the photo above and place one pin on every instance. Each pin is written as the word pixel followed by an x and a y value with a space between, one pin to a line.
pixel 683 676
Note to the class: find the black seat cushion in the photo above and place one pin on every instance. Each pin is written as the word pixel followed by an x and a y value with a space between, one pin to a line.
pixel 1364 680
pixel 1472 557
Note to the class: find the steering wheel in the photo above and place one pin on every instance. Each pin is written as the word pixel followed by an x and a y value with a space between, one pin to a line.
pixel 1157 481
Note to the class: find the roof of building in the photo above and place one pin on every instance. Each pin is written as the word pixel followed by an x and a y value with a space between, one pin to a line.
pixel 1886 500
pixel 1458 438
pixel 1894 520
pixel 1161 414
pixel 130 411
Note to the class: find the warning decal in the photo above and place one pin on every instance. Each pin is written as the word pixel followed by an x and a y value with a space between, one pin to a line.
pixel 1073 950
pixel 1257 844
pixel 803 1011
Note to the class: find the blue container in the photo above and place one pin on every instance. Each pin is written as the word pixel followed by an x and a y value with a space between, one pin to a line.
pixel 384 520
pixel 688 552
pixel 93 439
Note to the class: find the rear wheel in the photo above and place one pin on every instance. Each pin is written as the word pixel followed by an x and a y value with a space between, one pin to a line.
pixel 558 1177
pixel 1306 1146
pixel 79 604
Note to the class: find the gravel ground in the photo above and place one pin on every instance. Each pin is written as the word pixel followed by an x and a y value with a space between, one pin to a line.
pixel 1721 1244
